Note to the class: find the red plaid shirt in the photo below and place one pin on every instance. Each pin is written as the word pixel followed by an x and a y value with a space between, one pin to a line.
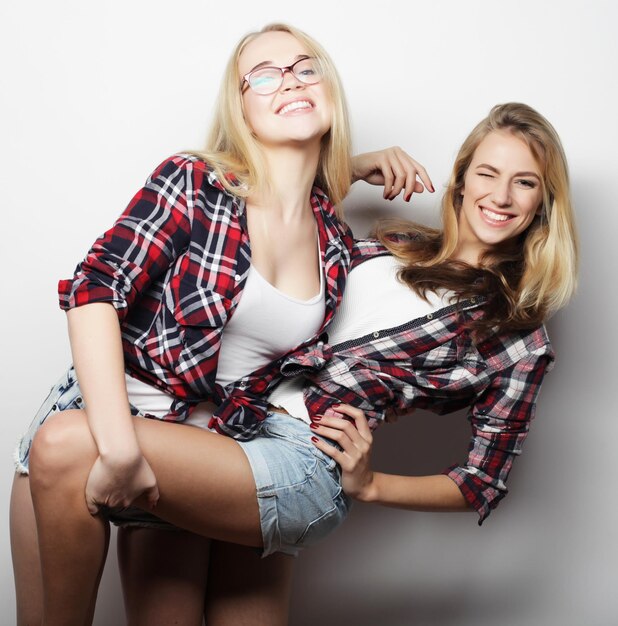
pixel 174 266
pixel 432 363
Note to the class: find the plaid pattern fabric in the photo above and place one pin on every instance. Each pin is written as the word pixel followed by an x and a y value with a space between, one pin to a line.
pixel 432 363
pixel 174 266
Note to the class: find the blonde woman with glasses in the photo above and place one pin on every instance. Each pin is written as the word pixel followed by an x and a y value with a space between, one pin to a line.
pixel 221 264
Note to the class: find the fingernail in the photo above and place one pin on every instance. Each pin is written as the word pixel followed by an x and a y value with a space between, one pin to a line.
pixel 316 418
pixel 314 426
pixel 407 198
pixel 314 439
pixel 432 188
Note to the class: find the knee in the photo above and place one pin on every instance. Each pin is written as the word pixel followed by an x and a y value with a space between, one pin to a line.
pixel 58 448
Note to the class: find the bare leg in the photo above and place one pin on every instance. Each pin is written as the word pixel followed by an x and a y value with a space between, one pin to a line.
pixel 246 590
pixel 163 576
pixel 205 484
pixel 25 552
pixel 69 540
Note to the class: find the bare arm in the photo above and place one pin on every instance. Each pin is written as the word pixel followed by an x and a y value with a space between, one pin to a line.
pixel 415 493
pixel 120 474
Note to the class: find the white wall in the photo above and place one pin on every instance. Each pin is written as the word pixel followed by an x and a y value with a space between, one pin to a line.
pixel 94 95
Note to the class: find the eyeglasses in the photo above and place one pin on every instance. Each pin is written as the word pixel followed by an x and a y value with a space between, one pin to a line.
pixel 267 80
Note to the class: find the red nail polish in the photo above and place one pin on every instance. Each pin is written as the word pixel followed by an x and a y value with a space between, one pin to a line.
pixel 315 439
pixel 314 426
pixel 316 418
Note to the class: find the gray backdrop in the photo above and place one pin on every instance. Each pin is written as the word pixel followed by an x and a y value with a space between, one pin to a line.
pixel 94 95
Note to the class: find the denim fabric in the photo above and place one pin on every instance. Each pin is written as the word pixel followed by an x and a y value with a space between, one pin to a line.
pixel 298 487
pixel 64 395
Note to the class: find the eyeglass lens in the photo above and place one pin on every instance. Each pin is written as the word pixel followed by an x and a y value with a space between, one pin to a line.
pixel 268 79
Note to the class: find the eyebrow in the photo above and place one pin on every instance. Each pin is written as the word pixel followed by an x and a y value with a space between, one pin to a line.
pixel 298 57
pixel 493 169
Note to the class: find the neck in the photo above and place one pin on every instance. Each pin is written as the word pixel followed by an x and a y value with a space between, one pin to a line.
pixel 292 171
pixel 467 253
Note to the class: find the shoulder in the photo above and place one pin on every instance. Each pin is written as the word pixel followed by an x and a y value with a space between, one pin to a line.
pixel 367 248
pixel 189 169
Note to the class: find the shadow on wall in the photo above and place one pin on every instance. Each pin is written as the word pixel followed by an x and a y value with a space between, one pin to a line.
pixel 349 579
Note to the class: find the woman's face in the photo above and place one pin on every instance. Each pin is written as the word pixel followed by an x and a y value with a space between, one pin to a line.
pixel 295 114
pixel 502 194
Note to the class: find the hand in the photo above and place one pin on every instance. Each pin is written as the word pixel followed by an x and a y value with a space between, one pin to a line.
pixel 117 485
pixel 395 169
pixel 353 435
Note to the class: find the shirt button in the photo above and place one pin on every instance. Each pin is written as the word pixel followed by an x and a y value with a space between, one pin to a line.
pixel 376 334
pixel 242 384
pixel 429 316
pixel 473 300
pixel 237 277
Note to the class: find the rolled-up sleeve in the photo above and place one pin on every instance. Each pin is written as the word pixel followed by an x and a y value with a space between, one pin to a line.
pixel 139 247
pixel 500 420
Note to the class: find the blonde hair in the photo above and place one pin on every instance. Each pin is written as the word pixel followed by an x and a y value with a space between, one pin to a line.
pixel 541 276
pixel 231 147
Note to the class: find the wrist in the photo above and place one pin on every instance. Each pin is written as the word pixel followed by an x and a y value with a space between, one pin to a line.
pixel 369 492
pixel 119 457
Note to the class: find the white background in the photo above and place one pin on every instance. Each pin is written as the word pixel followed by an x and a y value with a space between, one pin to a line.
pixel 94 95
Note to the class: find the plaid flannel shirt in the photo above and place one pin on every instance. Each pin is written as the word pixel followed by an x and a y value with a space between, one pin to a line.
pixel 432 363
pixel 174 266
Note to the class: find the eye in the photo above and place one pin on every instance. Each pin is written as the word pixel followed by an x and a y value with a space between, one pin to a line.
pixel 528 184
pixel 485 174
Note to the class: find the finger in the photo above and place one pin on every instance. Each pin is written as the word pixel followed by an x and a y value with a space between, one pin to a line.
pixel 400 177
pixel 347 426
pixel 152 497
pixel 93 507
pixel 387 174
pixel 406 170
pixel 360 421
pixel 421 172
pixel 329 450
pixel 337 435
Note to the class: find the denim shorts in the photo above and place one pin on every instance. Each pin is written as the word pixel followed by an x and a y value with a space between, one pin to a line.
pixel 298 487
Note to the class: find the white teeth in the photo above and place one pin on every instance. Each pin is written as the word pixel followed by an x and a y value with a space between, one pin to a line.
pixel 293 106
pixel 495 216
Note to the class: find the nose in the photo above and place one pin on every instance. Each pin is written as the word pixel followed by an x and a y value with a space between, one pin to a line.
pixel 501 194
pixel 289 80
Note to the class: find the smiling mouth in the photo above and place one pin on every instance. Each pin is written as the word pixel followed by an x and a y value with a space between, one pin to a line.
pixel 494 217
pixel 295 106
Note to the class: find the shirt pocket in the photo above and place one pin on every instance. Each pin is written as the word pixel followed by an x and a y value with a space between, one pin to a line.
pixel 456 363
pixel 199 315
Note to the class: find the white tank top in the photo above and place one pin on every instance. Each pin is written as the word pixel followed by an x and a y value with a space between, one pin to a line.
pixel 374 299
pixel 266 324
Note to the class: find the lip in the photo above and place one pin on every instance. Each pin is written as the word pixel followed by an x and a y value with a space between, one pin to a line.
pixel 296 111
pixel 497 223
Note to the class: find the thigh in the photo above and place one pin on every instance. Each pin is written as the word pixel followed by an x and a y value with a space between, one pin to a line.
pixel 205 482
pixel 246 590
pixel 163 575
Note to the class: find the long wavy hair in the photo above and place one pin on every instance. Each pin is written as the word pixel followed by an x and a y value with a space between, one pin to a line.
pixel 231 147
pixel 523 284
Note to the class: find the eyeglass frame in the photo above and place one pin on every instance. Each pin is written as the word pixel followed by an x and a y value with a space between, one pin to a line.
pixel 283 70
